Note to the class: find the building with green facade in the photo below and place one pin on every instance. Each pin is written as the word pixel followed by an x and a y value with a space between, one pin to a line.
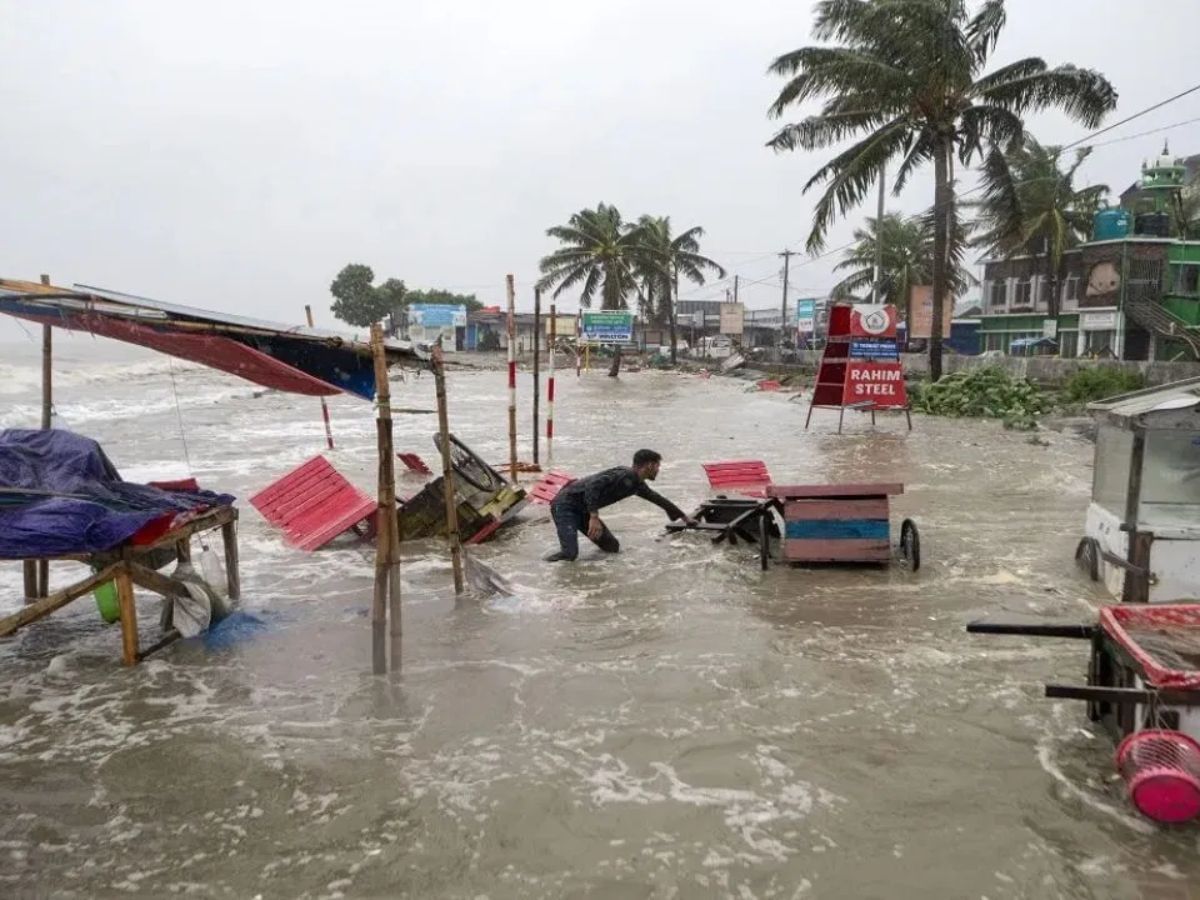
pixel 1131 292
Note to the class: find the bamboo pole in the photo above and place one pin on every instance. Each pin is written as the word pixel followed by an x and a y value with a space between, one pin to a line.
pixel 550 390
pixel 448 489
pixel 537 377
pixel 386 597
pixel 512 379
pixel 43 566
pixel 324 406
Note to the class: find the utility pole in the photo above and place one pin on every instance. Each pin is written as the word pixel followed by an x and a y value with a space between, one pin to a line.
pixel 787 261
pixel 877 290
pixel 735 289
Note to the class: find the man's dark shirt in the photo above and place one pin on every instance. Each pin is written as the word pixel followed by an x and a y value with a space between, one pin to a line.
pixel 593 493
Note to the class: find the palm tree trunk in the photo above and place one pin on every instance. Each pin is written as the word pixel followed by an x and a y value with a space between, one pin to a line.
pixel 942 198
pixel 671 295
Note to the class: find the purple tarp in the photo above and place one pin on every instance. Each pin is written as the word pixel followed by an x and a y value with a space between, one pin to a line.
pixel 59 494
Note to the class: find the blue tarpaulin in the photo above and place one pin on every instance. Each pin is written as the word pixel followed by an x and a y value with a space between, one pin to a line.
pixel 59 494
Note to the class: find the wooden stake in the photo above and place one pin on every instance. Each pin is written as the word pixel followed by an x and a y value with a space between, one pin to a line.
pixel 537 382
pixel 324 406
pixel 129 626
pixel 512 379
pixel 550 390
pixel 387 556
pixel 233 578
pixel 448 490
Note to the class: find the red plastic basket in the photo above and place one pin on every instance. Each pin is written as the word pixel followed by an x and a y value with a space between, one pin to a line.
pixel 1162 770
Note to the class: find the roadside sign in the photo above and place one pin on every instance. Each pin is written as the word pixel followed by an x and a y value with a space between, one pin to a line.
pixel 878 383
pixel 873 320
pixel 733 318
pixel 806 315
pixel 874 348
pixel 607 327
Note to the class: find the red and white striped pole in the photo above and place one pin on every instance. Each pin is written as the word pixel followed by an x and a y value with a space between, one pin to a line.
pixel 512 379
pixel 550 391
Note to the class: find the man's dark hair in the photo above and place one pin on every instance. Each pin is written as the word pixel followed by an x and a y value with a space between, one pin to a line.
pixel 645 457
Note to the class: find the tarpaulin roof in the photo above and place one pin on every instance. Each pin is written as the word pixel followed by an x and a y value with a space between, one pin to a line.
pixel 61 495
pixel 288 358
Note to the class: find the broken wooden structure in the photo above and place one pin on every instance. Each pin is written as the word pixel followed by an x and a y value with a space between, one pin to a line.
pixel 133 564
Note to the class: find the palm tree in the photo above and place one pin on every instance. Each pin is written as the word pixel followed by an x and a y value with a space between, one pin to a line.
pixel 666 258
pixel 907 260
pixel 904 77
pixel 1031 207
pixel 598 249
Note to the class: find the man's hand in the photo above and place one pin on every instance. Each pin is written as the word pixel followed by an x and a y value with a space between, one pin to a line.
pixel 595 527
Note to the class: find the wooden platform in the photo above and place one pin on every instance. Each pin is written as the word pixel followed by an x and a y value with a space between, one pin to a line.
pixel 128 565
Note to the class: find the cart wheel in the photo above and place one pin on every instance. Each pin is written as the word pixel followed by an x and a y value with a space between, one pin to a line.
pixel 910 544
pixel 1087 557
pixel 764 538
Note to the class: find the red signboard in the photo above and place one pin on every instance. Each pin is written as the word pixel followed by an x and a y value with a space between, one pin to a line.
pixel 873 321
pixel 880 384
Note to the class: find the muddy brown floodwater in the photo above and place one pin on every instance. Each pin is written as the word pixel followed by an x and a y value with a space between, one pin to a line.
pixel 671 722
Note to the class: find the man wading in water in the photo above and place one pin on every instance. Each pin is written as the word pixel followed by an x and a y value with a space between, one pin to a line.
pixel 577 506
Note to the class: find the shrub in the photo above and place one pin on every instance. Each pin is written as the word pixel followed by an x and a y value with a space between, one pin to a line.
pixel 986 393
pixel 1098 382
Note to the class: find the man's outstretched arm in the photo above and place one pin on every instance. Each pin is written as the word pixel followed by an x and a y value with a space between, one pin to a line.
pixel 646 493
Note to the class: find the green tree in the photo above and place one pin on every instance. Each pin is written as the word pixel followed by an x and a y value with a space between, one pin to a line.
pixel 357 301
pixel 904 78
pixel 599 253
pixel 443 297
pixel 665 257
pixel 907 260
pixel 1031 207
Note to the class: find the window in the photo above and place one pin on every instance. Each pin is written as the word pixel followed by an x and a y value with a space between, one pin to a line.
pixel 1068 341
pixel 1100 343
pixel 1187 279
pixel 1043 293
pixel 1171 479
pixel 1070 296
pixel 1110 480
pixel 1024 293
pixel 998 296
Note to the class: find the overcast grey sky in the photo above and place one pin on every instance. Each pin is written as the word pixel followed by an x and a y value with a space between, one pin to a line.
pixel 235 155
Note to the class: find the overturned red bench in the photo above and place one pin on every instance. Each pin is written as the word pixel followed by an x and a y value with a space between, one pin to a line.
pixel 747 476
pixel 546 488
pixel 313 504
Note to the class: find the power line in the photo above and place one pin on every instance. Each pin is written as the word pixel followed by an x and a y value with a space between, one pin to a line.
pixel 1136 115
pixel 1145 133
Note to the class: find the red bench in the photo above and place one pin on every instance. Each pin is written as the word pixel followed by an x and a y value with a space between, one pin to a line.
pixel 547 488
pixel 749 477
pixel 313 504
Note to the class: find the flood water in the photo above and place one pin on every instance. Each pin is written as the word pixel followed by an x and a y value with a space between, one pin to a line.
pixel 671 722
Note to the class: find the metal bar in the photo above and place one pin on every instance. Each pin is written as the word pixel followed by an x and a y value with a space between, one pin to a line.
pixel 537 373
pixel 1083 632
pixel 512 379
pixel 550 388
pixel 324 406
pixel 1125 696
